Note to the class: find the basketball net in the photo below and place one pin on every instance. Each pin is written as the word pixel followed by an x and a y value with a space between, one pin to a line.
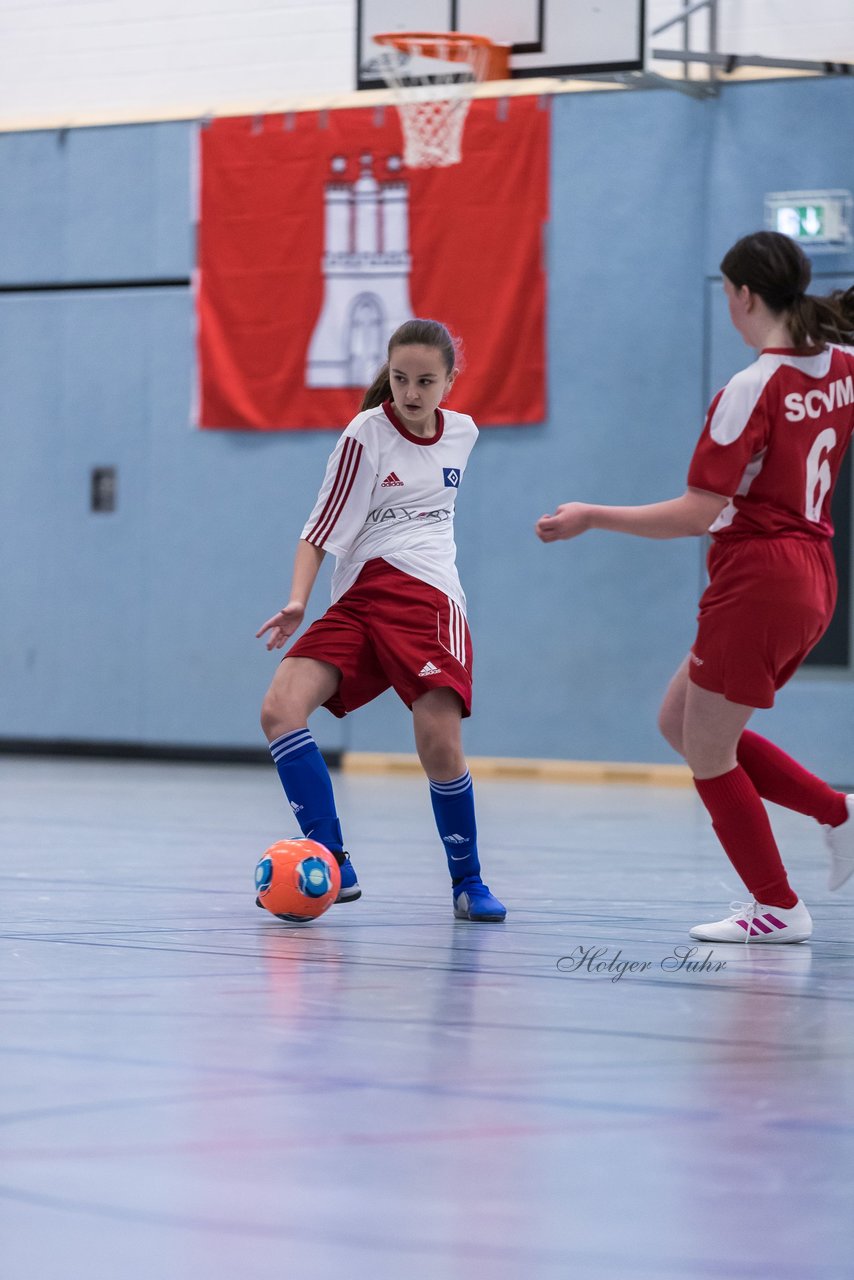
pixel 432 76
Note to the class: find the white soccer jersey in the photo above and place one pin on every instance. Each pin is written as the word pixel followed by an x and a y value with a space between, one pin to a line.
pixel 390 495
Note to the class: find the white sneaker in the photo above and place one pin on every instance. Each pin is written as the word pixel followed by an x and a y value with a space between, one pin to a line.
pixel 840 844
pixel 756 922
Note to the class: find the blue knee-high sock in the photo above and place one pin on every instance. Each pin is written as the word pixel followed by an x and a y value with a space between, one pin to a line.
pixel 308 787
pixel 453 808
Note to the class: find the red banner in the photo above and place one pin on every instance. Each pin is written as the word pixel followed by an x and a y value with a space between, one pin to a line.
pixel 315 243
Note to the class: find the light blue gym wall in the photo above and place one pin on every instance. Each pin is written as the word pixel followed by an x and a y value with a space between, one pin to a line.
pixel 139 626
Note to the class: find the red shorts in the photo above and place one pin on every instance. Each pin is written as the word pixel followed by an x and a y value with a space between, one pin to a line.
pixel 391 630
pixel 768 602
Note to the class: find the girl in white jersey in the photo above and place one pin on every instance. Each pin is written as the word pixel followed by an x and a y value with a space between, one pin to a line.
pixel 761 482
pixel 386 512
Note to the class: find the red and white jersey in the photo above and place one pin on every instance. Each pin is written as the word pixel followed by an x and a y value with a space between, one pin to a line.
pixel 390 494
pixel 775 438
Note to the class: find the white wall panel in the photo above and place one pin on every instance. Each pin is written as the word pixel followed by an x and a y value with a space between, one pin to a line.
pixel 822 31
pixel 66 62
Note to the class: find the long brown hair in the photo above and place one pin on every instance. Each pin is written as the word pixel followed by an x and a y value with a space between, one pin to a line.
pixel 777 269
pixel 412 333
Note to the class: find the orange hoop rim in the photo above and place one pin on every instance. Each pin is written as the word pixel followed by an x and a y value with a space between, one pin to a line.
pixel 429 42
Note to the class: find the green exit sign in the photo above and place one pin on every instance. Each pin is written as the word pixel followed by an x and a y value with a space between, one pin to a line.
pixel 818 219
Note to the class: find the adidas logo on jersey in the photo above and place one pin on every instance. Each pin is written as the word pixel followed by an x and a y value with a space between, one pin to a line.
pixel 455 839
pixel 296 807
pixel 391 481
pixel 429 670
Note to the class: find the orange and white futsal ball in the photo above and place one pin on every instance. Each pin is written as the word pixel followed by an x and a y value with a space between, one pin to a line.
pixel 297 879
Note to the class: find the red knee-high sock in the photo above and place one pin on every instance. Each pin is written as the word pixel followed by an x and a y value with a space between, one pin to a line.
pixel 741 824
pixel 780 779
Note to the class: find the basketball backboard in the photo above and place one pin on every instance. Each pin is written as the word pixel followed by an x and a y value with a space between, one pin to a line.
pixel 548 37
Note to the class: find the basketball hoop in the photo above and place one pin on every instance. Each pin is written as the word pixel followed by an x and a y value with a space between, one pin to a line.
pixel 433 100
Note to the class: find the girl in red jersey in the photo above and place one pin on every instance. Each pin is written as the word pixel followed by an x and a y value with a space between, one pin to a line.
pixel 760 482
pixel 397 619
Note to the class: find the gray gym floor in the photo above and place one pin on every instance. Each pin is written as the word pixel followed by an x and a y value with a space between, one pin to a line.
pixel 192 1090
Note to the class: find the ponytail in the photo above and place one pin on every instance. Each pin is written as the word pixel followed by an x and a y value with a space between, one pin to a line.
pixel 378 391
pixel 827 319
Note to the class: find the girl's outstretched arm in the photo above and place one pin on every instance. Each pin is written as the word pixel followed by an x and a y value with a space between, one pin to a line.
pixel 690 515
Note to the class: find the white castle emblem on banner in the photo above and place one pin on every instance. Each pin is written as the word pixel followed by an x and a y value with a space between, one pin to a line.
pixel 366 266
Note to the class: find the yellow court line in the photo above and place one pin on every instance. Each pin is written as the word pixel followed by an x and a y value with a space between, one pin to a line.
pixel 512 769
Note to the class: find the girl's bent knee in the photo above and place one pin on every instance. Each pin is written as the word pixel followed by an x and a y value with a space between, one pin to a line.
pixel 442 762
pixel 670 730
pixel 276 717
pixel 268 719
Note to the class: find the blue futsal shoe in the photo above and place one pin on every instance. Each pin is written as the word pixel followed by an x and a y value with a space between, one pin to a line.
pixel 350 890
pixel 473 901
